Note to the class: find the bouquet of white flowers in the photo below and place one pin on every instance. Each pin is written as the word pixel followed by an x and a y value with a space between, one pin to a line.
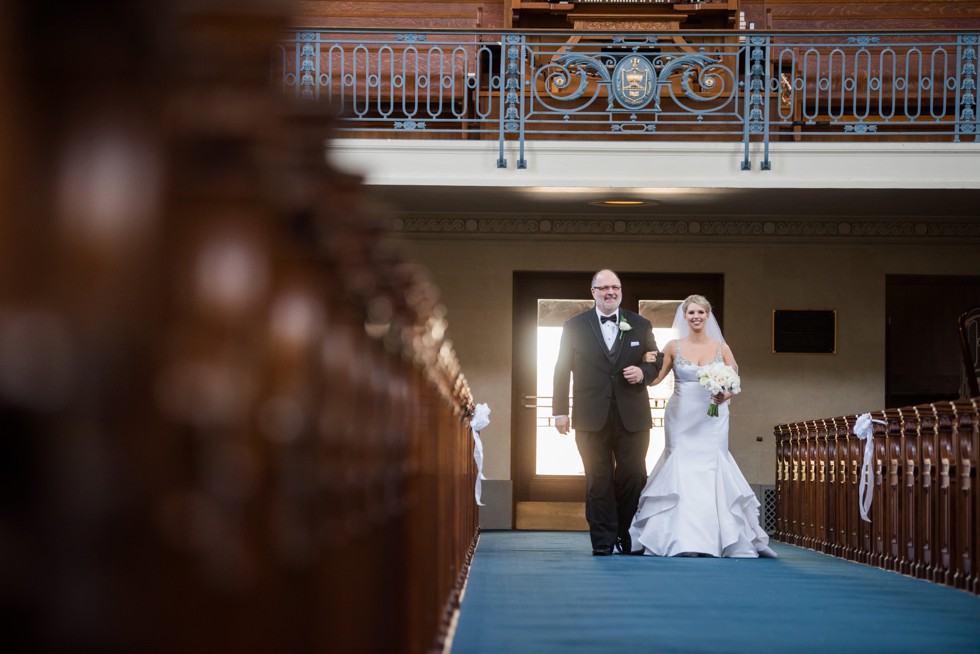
pixel 718 378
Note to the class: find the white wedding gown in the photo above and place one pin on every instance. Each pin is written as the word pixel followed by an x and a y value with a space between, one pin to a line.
pixel 696 499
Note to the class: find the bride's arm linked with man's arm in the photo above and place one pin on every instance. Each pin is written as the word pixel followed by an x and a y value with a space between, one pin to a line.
pixel 668 362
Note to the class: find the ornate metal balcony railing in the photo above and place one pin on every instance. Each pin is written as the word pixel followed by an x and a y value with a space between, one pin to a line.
pixel 735 86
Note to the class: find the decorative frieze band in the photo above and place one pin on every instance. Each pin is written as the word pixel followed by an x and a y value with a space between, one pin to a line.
pixel 543 227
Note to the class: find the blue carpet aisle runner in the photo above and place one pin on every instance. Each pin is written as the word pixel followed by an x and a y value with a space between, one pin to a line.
pixel 545 592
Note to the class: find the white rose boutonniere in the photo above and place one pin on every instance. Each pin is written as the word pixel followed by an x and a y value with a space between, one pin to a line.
pixel 623 325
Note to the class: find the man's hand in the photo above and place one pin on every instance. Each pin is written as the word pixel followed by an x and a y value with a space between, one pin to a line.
pixel 561 424
pixel 633 375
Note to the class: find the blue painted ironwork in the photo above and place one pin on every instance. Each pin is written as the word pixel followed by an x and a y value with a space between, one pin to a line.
pixel 513 97
pixel 967 86
pixel 751 87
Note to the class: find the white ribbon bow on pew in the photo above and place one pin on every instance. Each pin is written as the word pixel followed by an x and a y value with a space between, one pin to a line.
pixel 480 419
pixel 864 429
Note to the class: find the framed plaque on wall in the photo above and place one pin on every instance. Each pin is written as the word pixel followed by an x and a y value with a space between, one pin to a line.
pixel 804 331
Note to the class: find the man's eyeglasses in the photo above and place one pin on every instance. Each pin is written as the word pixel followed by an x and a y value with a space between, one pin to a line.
pixel 603 289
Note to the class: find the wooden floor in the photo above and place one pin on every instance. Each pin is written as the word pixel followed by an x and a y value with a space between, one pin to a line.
pixel 550 516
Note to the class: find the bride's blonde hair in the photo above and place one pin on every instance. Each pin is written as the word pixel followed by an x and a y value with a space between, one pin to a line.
pixel 680 326
pixel 699 300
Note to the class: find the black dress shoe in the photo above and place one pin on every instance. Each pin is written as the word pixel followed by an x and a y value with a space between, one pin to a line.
pixel 624 545
pixel 604 550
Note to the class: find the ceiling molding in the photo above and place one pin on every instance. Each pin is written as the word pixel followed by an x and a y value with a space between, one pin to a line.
pixel 753 230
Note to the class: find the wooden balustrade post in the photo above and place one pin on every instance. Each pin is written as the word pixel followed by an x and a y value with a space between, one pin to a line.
pixel 793 484
pixel 928 495
pixel 799 480
pixel 796 517
pixel 818 503
pixel 944 510
pixel 803 488
pixel 809 484
pixel 842 515
pixel 819 481
pixel 879 504
pixel 788 489
pixel 891 490
pixel 964 425
pixel 909 489
pixel 782 481
pixel 833 524
pixel 846 493
pixel 817 491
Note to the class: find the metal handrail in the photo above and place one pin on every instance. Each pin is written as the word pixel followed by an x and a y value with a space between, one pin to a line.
pixel 720 85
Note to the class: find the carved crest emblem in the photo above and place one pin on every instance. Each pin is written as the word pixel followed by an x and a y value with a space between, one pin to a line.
pixel 634 82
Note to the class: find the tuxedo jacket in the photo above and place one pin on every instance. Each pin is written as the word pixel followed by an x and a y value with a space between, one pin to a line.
pixel 597 373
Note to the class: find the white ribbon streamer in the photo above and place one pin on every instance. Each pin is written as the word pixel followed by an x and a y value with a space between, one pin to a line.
pixel 480 419
pixel 864 430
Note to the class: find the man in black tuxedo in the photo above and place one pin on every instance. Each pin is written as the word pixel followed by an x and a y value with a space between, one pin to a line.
pixel 602 351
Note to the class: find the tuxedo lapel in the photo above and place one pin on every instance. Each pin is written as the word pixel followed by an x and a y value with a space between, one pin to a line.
pixel 597 331
pixel 619 345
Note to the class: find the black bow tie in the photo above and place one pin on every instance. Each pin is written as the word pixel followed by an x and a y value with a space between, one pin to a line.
pixel 611 318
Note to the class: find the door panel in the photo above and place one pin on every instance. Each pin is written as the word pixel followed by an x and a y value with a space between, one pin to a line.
pixel 923 357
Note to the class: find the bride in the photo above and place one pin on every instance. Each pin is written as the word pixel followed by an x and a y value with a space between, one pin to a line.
pixel 696 501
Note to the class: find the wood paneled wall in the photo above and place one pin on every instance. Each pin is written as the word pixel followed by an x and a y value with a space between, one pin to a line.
pixel 400 14
pixel 863 14
pixel 765 14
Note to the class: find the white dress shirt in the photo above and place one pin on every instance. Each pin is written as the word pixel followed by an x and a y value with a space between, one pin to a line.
pixel 610 329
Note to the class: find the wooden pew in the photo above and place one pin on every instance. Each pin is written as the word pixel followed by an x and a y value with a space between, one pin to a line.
pixel 923 516
pixel 244 454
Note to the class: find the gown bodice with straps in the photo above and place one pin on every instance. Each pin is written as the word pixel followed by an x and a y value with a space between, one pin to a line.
pixel 696 500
